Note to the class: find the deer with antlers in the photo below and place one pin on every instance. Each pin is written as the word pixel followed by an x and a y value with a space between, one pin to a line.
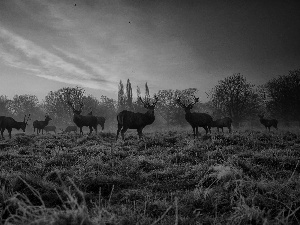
pixel 40 125
pixel 268 123
pixel 195 119
pixel 80 120
pixel 131 120
pixel 8 123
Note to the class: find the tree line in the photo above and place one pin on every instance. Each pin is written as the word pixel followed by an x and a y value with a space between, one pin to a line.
pixel 232 97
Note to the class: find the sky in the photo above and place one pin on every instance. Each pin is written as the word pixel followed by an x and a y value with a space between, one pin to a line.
pixel 170 44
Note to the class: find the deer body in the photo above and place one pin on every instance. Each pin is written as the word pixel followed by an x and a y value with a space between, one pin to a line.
pixel 8 123
pixel 70 129
pixel 50 128
pixel 85 121
pixel 131 120
pixel 196 119
pixel 224 122
pixel 101 121
pixel 40 125
pixel 268 123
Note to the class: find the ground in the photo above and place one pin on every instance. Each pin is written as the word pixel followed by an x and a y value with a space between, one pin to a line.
pixel 247 177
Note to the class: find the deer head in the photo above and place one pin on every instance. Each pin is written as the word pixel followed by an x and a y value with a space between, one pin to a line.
pixel 147 104
pixel 185 106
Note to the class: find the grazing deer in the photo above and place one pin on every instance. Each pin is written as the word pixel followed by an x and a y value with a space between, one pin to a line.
pixel 268 123
pixel 8 123
pixel 131 120
pixel 50 128
pixel 195 119
pixel 83 121
pixel 40 125
pixel 224 122
pixel 70 129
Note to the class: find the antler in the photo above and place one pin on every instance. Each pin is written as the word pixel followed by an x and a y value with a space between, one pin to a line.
pixel 145 103
pixel 156 99
pixel 195 101
pixel 178 101
pixel 26 119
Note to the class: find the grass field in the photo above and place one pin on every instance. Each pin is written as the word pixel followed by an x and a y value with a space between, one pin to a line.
pixel 247 177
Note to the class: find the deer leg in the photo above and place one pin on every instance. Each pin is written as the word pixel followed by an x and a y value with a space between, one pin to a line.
pixel 222 130
pixel 206 129
pixel 80 128
pixel 9 132
pixel 194 132
pixel 140 133
pixel 197 131
pixel 119 128
pixel 122 132
pixel 2 130
pixel 96 129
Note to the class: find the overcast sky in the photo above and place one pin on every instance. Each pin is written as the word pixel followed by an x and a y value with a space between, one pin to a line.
pixel 46 45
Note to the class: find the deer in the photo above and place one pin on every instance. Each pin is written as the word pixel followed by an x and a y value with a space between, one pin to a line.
pixel 135 120
pixel 70 129
pixel 40 125
pixel 268 123
pixel 195 119
pixel 8 123
pixel 82 121
pixel 50 128
pixel 224 122
pixel 100 119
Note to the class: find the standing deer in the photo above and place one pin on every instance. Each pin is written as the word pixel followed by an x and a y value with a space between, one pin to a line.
pixel 131 120
pixel 195 119
pixel 268 123
pixel 224 122
pixel 82 121
pixel 100 119
pixel 40 125
pixel 8 123
pixel 50 128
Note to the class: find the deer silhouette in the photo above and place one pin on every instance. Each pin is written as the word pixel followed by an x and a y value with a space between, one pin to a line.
pixel 195 119
pixel 224 122
pixel 70 129
pixel 8 123
pixel 50 128
pixel 100 119
pixel 40 125
pixel 80 120
pixel 131 120
pixel 268 123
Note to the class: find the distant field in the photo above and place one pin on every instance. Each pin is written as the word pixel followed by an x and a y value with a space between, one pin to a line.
pixel 248 177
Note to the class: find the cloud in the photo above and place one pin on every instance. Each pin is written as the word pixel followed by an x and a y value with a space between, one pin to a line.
pixel 21 53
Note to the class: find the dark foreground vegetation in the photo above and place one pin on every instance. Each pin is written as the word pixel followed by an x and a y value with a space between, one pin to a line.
pixel 248 177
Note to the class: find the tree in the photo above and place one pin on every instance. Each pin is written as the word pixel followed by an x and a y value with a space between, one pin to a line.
pixel 26 104
pixel 283 96
pixel 147 93
pixel 5 106
pixel 129 95
pixel 56 105
pixel 236 98
pixel 121 97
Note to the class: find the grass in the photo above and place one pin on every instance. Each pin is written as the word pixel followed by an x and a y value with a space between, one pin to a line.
pixel 247 177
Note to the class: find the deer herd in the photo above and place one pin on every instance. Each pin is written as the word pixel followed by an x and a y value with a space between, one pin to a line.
pixel 128 120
